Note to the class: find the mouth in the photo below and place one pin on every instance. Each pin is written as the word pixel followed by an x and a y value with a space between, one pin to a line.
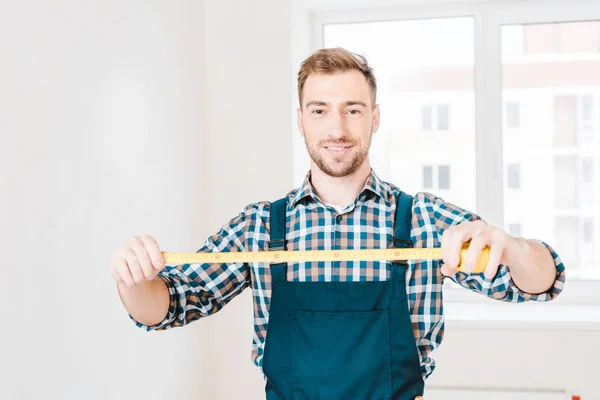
pixel 338 149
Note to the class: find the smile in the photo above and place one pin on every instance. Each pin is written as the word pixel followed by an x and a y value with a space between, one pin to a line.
pixel 338 149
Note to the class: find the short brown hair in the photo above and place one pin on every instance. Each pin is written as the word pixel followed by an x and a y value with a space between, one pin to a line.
pixel 333 61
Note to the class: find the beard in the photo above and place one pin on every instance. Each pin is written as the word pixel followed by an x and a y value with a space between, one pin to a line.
pixel 338 167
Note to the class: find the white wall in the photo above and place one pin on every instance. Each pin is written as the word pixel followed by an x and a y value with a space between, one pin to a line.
pixel 249 143
pixel 101 124
pixel 528 357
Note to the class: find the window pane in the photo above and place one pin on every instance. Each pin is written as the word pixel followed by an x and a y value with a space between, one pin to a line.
pixel 587 108
pixel 555 78
pixel 427 177
pixel 514 230
pixel 426 117
pixel 565 120
pixel 514 176
pixel 587 170
pixel 566 189
pixel 424 70
pixel 588 230
pixel 513 115
pixel 442 117
pixel 444 177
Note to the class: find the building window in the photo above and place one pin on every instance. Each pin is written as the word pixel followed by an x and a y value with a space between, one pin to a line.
pixel 587 170
pixel 442 178
pixel 587 108
pixel 514 176
pixel 426 118
pixel 427 177
pixel 588 231
pixel 513 115
pixel 514 230
pixel 435 117
pixel 443 122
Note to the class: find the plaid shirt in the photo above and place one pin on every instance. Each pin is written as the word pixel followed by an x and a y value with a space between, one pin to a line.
pixel 200 290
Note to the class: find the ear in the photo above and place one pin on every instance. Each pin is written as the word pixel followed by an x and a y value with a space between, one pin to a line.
pixel 299 121
pixel 375 118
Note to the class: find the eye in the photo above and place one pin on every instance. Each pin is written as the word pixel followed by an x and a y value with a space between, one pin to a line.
pixel 354 112
pixel 317 111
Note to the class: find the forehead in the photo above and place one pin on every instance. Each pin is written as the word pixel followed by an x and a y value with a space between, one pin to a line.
pixel 336 88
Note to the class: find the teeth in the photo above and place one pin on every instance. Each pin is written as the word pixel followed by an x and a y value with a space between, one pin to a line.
pixel 337 148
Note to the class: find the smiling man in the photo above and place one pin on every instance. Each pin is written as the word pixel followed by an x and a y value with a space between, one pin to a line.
pixel 339 330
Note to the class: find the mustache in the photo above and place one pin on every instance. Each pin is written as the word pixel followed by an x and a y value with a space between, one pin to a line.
pixel 339 142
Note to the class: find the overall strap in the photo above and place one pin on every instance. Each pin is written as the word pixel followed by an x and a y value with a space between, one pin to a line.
pixel 402 226
pixel 277 240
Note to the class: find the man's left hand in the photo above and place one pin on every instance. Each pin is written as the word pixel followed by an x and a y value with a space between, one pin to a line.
pixel 480 235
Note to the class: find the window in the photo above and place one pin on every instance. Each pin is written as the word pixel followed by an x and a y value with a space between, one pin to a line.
pixel 443 177
pixel 536 74
pixel 565 120
pixel 588 231
pixel 435 117
pixel 556 146
pixel 427 118
pixel 514 230
pixel 425 84
pixel 513 115
pixel 427 177
pixel 443 122
pixel 587 170
pixel 587 108
pixel 514 176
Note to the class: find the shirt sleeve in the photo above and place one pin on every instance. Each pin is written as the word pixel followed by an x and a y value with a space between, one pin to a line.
pixel 500 287
pixel 200 290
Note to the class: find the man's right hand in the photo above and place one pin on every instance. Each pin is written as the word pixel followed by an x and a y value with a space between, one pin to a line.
pixel 137 261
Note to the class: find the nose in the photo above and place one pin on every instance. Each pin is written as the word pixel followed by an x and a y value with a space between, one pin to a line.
pixel 338 126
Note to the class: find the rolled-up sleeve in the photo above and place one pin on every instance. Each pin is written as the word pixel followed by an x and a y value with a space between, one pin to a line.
pixel 501 286
pixel 200 290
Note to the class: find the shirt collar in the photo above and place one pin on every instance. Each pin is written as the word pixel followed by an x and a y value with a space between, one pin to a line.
pixel 373 184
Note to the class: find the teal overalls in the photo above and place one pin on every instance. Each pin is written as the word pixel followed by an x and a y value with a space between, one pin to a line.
pixel 341 340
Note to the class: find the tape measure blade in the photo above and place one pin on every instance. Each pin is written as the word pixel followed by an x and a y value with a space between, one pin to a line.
pixel 416 254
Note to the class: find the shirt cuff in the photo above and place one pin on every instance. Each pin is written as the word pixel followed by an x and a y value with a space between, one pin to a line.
pixel 170 317
pixel 559 280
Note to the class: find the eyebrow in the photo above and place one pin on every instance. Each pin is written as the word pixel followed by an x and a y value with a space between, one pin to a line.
pixel 346 103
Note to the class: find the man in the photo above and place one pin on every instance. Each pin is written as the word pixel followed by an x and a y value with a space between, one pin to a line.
pixel 339 330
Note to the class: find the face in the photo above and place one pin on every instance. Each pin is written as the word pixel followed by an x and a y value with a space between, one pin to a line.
pixel 337 119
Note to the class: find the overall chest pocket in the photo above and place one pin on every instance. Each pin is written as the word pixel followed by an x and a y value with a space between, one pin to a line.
pixel 340 355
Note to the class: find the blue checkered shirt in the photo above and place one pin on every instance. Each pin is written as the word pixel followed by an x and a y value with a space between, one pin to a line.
pixel 200 290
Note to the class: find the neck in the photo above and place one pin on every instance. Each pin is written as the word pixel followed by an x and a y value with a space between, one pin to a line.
pixel 339 191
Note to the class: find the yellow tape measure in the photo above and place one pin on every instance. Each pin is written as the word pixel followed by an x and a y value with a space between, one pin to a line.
pixel 416 254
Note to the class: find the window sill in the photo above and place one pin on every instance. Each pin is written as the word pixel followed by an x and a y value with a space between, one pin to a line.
pixel 577 308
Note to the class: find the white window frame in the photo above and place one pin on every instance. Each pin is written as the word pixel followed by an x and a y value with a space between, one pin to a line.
pixel 579 305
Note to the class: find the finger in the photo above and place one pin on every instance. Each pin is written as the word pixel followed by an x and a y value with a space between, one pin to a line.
pixel 143 258
pixel 156 257
pixel 452 243
pixel 495 256
pixel 475 246
pixel 125 274
pixel 448 270
pixel 135 269
pixel 493 264
pixel 116 276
